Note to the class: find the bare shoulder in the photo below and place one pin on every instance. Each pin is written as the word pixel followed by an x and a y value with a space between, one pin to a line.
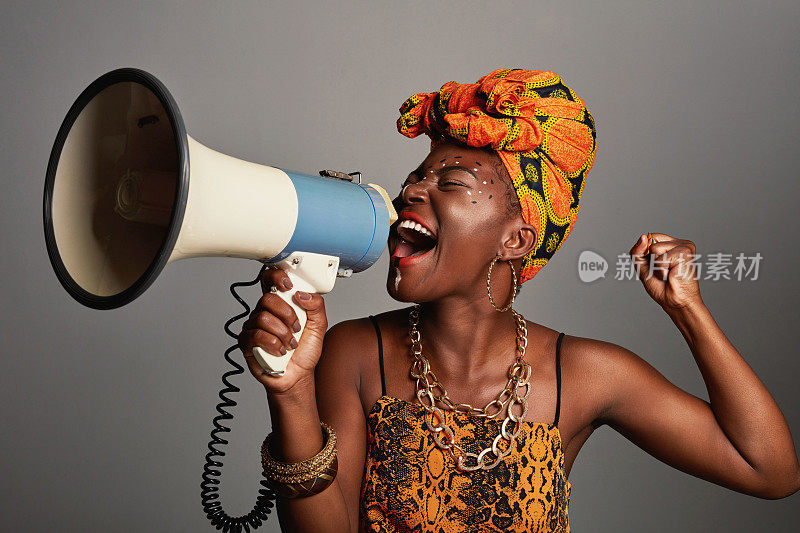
pixel 603 369
pixel 597 354
pixel 343 352
pixel 350 354
pixel 348 334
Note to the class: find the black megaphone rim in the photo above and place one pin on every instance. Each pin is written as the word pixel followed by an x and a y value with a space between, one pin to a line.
pixel 179 207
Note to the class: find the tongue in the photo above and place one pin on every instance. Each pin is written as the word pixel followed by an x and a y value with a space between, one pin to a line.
pixel 403 250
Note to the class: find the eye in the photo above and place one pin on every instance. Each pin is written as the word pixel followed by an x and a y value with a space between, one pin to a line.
pixel 452 176
pixel 449 178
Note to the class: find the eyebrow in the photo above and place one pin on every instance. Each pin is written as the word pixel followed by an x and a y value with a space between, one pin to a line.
pixel 445 169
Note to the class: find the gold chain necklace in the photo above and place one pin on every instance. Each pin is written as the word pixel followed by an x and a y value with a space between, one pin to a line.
pixel 519 374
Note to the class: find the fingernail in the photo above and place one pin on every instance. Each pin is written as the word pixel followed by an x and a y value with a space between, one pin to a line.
pixel 296 326
pixel 303 295
pixel 287 284
pixel 293 343
pixel 283 350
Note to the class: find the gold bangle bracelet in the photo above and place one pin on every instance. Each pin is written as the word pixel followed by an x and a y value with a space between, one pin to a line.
pixel 311 487
pixel 303 478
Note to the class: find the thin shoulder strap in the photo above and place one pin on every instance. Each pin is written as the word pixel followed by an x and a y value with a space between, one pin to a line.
pixel 558 378
pixel 380 353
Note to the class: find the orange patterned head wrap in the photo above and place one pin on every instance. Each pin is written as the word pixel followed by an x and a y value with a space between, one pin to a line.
pixel 540 128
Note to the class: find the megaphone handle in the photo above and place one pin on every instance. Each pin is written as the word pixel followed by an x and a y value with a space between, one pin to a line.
pixel 276 365
pixel 308 272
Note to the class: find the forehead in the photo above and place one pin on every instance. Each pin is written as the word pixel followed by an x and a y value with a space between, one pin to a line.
pixel 451 152
pixel 482 163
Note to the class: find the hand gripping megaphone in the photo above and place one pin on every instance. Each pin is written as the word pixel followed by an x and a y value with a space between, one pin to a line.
pixel 128 191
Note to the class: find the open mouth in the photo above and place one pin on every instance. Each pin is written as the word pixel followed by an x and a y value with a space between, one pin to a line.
pixel 412 242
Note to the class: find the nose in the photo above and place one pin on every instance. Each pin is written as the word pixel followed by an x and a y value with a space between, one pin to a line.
pixel 415 193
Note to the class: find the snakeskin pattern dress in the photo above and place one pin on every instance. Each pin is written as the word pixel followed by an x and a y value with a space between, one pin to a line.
pixel 411 485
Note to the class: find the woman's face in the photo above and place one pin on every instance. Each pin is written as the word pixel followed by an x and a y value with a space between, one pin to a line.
pixel 453 219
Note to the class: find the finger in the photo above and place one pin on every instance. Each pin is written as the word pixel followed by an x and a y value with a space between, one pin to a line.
pixel 264 340
pixel 251 322
pixel 659 247
pixel 256 369
pixel 641 245
pixel 658 238
pixel 279 307
pixel 272 324
pixel 676 261
pixel 252 319
pixel 661 237
pixel 640 257
pixel 662 264
pixel 663 251
pixel 275 277
pixel 316 319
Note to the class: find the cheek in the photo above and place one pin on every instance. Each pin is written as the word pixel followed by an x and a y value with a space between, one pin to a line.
pixel 474 224
pixel 486 192
pixel 485 202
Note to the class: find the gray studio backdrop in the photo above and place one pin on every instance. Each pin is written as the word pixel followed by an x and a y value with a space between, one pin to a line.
pixel 106 415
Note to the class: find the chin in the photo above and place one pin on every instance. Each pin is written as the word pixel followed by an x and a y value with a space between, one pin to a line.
pixel 393 287
pixel 395 292
pixel 406 294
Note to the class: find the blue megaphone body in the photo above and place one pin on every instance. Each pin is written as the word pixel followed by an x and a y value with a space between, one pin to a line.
pixel 334 217
pixel 341 228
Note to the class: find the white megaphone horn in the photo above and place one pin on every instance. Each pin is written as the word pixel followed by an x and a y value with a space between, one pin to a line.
pixel 128 191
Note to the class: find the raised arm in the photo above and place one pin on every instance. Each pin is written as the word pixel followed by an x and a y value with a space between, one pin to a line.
pixel 739 439
pixel 320 384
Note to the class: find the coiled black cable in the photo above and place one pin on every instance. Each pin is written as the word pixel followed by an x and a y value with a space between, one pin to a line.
pixel 211 473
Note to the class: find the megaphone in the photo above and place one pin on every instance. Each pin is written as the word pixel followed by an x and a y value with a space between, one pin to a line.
pixel 128 191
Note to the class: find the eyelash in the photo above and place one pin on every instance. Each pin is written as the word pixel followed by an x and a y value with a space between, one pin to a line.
pixel 406 182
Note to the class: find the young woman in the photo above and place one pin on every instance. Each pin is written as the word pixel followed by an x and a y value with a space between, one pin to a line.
pixel 407 444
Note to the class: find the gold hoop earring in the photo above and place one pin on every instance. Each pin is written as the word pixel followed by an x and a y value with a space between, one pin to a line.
pixel 489 287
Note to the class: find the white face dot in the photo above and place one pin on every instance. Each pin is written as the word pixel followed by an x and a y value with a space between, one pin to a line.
pixel 480 192
pixel 469 192
pixel 484 183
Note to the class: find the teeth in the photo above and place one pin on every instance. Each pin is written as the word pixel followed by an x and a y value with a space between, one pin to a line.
pixel 410 224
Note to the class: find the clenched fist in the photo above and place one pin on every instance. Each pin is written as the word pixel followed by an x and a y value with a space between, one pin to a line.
pixel 664 266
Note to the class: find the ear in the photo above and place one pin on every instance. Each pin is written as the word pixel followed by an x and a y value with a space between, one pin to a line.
pixel 519 242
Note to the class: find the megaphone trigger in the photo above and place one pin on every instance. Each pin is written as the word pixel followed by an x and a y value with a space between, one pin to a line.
pixel 308 272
